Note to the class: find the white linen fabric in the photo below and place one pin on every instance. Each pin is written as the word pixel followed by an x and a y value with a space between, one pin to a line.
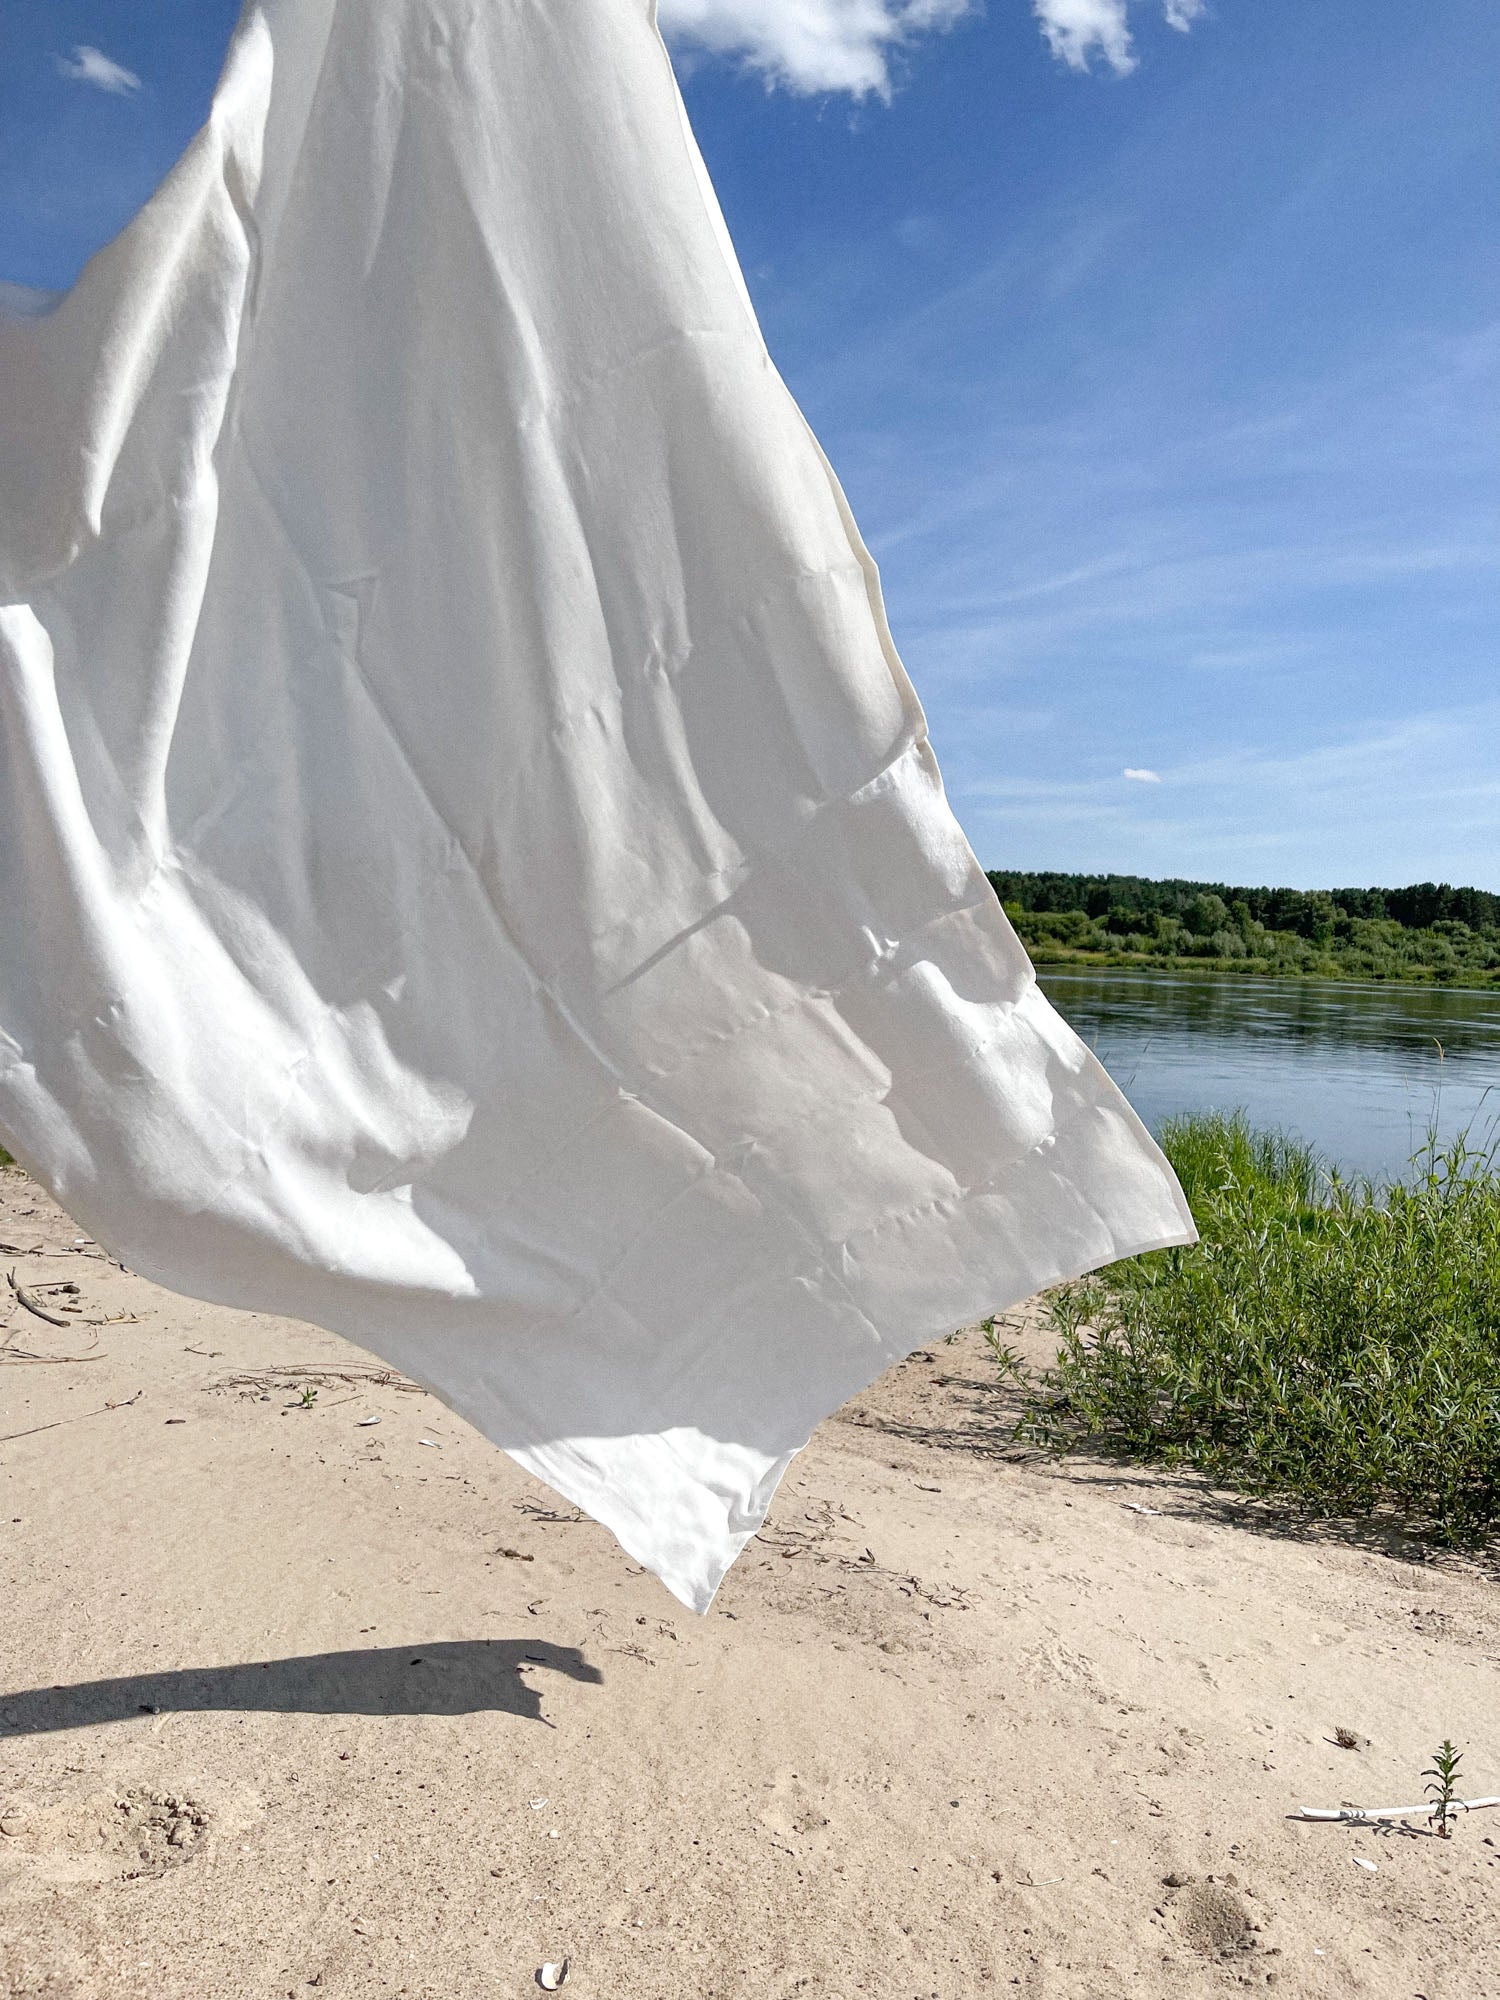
pixel 472 869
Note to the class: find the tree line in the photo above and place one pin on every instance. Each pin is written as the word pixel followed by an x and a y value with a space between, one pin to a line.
pixel 1427 931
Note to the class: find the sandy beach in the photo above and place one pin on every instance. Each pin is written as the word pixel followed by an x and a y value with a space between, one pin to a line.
pixel 304 1687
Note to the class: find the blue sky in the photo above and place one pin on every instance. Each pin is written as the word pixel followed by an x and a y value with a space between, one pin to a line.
pixel 1164 378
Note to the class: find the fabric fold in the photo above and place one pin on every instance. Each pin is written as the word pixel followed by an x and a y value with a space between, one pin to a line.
pixel 473 869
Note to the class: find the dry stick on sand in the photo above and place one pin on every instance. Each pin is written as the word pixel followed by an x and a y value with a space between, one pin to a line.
pixel 103 1411
pixel 29 1299
pixel 22 1354
pixel 1362 1815
pixel 310 1371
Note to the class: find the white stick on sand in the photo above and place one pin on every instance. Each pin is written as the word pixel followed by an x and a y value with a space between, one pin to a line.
pixel 1358 1815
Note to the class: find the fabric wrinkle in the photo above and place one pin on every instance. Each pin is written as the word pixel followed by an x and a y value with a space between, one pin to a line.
pixel 483 881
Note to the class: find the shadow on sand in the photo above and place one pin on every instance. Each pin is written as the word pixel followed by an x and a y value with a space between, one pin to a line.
pixel 978 1421
pixel 453 1677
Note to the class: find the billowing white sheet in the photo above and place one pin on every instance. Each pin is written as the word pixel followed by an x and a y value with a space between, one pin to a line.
pixel 472 870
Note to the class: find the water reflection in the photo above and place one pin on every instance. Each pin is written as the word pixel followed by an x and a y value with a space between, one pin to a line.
pixel 1361 1071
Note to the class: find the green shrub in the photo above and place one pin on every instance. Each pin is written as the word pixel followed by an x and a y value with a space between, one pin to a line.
pixel 1336 1344
pixel 1428 934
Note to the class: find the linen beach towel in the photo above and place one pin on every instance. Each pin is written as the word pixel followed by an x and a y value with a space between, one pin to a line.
pixel 472 870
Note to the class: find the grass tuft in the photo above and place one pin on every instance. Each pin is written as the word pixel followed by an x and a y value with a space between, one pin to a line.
pixel 1332 1343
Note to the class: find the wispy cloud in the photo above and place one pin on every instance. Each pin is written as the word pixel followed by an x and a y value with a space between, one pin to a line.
pixel 1079 30
pixel 812 45
pixel 91 65
pixel 847 45
pixel 1141 777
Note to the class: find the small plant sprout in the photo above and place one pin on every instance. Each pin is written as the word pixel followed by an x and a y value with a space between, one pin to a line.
pixel 309 1398
pixel 1006 1358
pixel 1442 1788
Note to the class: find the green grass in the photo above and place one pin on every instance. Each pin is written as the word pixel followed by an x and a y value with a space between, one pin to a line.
pixel 1346 968
pixel 1331 1343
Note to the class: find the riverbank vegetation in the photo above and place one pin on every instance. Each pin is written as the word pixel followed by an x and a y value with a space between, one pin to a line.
pixel 1329 1343
pixel 1427 934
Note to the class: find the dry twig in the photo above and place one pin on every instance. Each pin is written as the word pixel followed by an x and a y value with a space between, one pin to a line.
pixel 309 1371
pixel 103 1410
pixel 28 1298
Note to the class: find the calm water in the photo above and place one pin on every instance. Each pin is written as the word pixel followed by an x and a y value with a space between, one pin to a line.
pixel 1360 1071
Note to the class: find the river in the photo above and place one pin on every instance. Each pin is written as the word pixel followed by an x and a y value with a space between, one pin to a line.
pixel 1361 1071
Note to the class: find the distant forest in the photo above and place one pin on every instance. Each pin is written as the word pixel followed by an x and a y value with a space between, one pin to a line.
pixel 1428 933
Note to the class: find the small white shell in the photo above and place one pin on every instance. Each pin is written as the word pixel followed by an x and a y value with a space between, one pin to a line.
pixel 549 1977
pixel 1360 1862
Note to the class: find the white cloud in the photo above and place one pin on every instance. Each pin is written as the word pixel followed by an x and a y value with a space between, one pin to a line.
pixel 817 45
pixel 1078 30
pixel 811 45
pixel 1141 777
pixel 90 65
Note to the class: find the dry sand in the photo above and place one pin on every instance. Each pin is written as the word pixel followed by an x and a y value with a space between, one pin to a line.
pixel 293 1703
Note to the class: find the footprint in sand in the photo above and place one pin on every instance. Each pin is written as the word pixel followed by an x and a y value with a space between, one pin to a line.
pixel 155 1831
pixel 138 1834
pixel 1052 1664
